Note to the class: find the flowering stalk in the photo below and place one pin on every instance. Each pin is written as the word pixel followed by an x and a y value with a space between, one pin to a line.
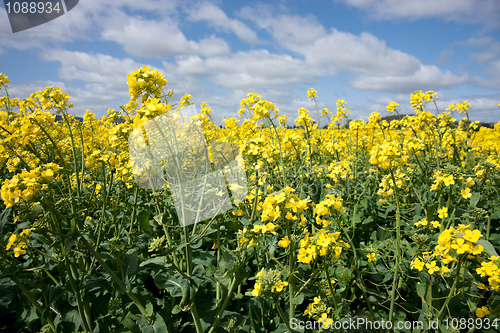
pixel 397 250
pixel 291 267
pixel 452 291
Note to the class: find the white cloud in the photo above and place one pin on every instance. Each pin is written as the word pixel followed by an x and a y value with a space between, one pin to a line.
pixel 375 65
pixel 216 17
pixel 490 48
pixel 233 76
pixel 492 80
pixel 427 77
pixel 364 53
pixel 104 78
pixel 213 46
pixel 465 11
pixel 151 38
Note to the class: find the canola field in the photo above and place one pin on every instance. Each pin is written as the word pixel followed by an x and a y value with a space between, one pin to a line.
pixel 369 226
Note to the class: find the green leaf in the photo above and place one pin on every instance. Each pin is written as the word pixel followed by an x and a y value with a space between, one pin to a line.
pixel 423 292
pixel 69 242
pixel 474 199
pixel 298 300
pixel 177 286
pixel 159 325
pixel 130 263
pixel 143 218
pixel 3 218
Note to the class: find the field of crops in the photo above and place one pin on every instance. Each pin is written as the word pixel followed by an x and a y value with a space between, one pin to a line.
pixel 369 226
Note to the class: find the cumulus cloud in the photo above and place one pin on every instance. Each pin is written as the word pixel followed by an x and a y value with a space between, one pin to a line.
pixel 469 11
pixel 427 77
pixel 141 37
pixel 212 14
pixel 104 78
pixel 375 65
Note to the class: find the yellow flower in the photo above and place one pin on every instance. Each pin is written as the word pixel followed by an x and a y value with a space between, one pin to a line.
pixel 472 236
pixel 417 264
pixel 482 286
pixel 466 193
pixel 435 224
pixel 278 287
pixel 18 251
pixel 431 267
pixel 284 242
pixel 311 94
pixel 371 257
pixel 443 212
pixel 482 312
pixel 392 107
pixel 257 288
pixel 12 241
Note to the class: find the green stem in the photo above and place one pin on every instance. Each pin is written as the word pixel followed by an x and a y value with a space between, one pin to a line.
pixel 282 315
pixel 134 212
pixel 452 291
pixel 115 278
pixel 331 289
pixel 220 311
pixel 189 263
pixel 87 321
pixel 291 266
pixel 397 250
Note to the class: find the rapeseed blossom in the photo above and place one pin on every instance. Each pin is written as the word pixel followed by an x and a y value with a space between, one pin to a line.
pixel 268 282
pixel 19 243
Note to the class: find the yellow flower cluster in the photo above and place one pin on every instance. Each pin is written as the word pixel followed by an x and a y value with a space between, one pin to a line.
pixel 329 205
pixel 268 282
pixel 428 225
pixel 145 83
pixel 284 204
pixel 311 94
pixel 50 98
pixel 391 107
pixel 303 119
pixel 323 243
pixel 387 184
pixel 19 243
pixel 258 107
pixel 388 155
pixel 342 112
pixel 461 107
pixel 418 99
pixel 441 178
pixel 27 184
pixel 319 311
pixel 491 269
pixel 340 170
pixel 452 243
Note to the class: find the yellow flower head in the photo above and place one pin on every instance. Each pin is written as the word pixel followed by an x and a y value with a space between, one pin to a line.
pixel 482 312
pixel 284 242
pixel 311 94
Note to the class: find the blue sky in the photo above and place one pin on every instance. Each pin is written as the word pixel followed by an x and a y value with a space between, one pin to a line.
pixel 368 52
